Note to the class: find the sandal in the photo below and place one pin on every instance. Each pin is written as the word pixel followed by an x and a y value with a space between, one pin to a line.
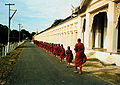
pixel 75 71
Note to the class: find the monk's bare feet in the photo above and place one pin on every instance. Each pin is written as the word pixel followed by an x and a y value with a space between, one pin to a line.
pixel 75 71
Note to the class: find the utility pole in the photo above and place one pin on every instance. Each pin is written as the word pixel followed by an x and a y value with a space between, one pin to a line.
pixel 10 17
pixel 20 26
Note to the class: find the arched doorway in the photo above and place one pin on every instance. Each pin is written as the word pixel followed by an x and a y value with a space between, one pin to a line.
pixel 99 30
pixel 119 34
pixel 83 31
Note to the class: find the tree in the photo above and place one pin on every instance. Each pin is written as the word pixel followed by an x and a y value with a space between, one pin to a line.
pixel 56 22
pixel 14 36
pixel 24 34
pixel 31 35
pixel 3 34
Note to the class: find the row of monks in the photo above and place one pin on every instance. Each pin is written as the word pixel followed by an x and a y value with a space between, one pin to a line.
pixel 56 50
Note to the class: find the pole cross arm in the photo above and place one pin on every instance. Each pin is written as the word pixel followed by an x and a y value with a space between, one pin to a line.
pixel 13 14
pixel 9 4
pixel 12 10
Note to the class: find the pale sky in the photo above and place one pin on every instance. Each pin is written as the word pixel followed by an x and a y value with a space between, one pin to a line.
pixel 36 14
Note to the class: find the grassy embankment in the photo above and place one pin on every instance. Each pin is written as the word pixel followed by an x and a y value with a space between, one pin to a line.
pixel 7 63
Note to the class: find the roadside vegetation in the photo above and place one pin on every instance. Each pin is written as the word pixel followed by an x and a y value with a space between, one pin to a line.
pixel 14 35
pixel 7 63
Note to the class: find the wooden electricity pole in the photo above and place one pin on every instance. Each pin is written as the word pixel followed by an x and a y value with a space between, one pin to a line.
pixel 10 17
pixel 20 26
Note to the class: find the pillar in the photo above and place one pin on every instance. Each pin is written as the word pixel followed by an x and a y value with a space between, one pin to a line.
pixel 88 33
pixel 74 38
pixel 78 28
pixel 112 30
pixel 63 39
pixel 71 38
pixel 66 39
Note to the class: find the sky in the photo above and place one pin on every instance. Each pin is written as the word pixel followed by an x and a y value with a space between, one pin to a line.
pixel 36 14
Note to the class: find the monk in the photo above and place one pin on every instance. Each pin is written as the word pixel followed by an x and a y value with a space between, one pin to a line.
pixel 62 53
pixel 58 51
pixel 80 57
pixel 54 50
pixel 69 56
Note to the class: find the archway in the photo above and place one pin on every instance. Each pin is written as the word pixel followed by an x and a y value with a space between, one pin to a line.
pixel 99 30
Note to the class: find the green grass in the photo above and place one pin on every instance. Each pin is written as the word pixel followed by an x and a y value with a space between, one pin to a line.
pixel 93 59
pixel 118 74
pixel 106 75
pixel 91 65
pixel 110 77
pixel 107 64
pixel 90 54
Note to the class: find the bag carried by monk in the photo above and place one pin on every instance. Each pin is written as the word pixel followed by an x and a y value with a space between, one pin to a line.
pixel 84 58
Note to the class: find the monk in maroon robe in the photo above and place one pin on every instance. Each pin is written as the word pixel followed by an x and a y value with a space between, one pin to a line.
pixel 58 51
pixel 80 57
pixel 62 53
pixel 69 56
pixel 55 50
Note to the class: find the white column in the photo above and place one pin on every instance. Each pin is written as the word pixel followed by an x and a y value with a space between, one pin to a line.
pixel 79 29
pixel 112 32
pixel 74 38
pixel 68 39
pixel 58 37
pixel 62 38
pixel 76 34
pixel 65 39
pixel 88 33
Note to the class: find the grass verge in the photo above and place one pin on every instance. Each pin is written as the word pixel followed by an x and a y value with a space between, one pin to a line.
pixel 7 63
pixel 111 77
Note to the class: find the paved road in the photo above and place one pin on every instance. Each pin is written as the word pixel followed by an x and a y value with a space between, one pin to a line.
pixel 36 67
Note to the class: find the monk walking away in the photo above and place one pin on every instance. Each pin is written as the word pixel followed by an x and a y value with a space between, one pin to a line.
pixel 80 56
pixel 62 54
pixel 69 56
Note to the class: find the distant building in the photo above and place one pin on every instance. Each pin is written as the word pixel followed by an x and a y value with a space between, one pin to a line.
pixel 97 23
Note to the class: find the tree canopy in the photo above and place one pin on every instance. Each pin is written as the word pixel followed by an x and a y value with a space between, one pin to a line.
pixel 56 22
pixel 14 35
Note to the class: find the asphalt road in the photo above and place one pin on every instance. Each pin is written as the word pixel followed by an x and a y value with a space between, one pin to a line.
pixel 37 67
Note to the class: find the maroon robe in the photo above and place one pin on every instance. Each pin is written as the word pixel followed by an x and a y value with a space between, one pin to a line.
pixel 62 53
pixel 69 56
pixel 55 50
pixel 80 57
pixel 58 50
